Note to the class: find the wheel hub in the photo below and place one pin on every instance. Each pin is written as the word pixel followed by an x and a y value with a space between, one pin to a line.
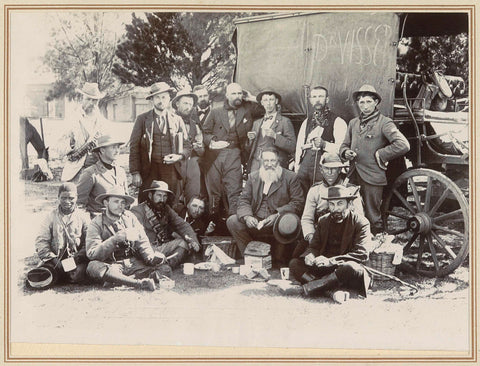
pixel 420 223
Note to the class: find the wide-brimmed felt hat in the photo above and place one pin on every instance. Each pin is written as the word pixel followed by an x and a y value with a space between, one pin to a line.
pixel 332 160
pixel 287 228
pixel 91 90
pixel 115 191
pixel 367 89
pixel 184 93
pixel 107 140
pixel 43 277
pixel 158 185
pixel 340 192
pixel 158 88
pixel 268 91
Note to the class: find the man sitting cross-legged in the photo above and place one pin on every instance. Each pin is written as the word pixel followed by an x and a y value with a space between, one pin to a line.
pixel 168 233
pixel 118 247
pixel 340 244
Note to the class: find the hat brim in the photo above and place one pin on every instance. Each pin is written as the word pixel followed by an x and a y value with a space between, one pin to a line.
pixel 40 278
pixel 260 95
pixel 288 239
pixel 97 96
pixel 102 196
pixel 96 148
pixel 339 198
pixel 158 189
pixel 355 95
pixel 169 90
pixel 335 165
pixel 177 98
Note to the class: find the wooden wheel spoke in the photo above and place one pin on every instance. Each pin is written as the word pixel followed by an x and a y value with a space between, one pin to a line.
pixel 448 215
pixel 403 201
pixel 410 242
pixel 420 251
pixel 453 232
pixel 444 245
pixel 433 252
pixel 396 214
pixel 428 195
pixel 415 194
pixel 438 203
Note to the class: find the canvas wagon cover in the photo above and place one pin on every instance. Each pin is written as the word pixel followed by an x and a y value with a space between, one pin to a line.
pixel 340 51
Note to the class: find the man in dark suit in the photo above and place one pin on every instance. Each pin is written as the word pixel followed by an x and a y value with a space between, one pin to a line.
pixel 269 192
pixel 203 103
pixel 340 244
pixel 158 143
pixel 225 135
pixel 273 130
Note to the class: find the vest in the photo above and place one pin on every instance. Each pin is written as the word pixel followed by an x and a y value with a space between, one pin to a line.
pixel 327 134
pixel 162 144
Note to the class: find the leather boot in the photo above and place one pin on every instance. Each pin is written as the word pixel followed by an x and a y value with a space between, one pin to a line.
pixel 121 279
pixel 175 261
pixel 325 283
pixel 307 277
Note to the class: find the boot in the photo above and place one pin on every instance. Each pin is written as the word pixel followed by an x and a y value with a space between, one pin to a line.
pixel 307 277
pixel 325 283
pixel 121 279
pixel 162 270
pixel 175 261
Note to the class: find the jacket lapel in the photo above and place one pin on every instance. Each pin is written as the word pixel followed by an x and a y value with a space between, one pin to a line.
pixel 225 119
pixel 275 185
pixel 257 188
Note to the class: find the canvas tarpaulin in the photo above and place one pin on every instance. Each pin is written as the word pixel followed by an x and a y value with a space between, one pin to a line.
pixel 340 51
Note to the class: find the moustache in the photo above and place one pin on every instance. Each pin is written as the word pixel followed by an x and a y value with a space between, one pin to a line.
pixel 237 102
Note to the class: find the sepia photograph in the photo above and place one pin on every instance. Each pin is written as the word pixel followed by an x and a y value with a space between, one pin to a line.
pixel 239 183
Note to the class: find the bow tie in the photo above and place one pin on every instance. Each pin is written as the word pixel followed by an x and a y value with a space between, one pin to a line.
pixel 268 118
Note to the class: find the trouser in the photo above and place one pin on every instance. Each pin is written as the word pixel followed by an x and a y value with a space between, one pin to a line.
pixel 372 198
pixel 225 177
pixel 128 267
pixel 242 235
pixel 350 274
pixel 176 245
pixel 160 171
pixel 309 167
pixel 192 179
pixel 78 275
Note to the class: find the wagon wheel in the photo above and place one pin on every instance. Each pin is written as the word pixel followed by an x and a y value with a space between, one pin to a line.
pixel 431 218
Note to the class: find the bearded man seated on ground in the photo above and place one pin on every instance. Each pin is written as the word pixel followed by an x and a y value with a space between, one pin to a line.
pixel 268 193
pixel 334 257
pixel 60 243
pixel 168 233
pixel 118 247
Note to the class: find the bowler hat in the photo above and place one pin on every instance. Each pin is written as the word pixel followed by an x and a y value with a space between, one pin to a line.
pixel 340 192
pixel 107 140
pixel 367 89
pixel 43 277
pixel 331 160
pixel 286 228
pixel 183 93
pixel 158 185
pixel 91 90
pixel 115 191
pixel 268 91
pixel 158 88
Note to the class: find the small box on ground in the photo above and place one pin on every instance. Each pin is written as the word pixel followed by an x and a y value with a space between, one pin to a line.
pixel 257 255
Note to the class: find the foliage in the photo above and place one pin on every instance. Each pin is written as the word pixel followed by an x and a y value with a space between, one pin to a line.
pixel 82 49
pixel 177 48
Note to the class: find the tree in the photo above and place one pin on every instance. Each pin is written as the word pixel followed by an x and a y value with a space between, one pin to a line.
pixel 82 50
pixel 177 48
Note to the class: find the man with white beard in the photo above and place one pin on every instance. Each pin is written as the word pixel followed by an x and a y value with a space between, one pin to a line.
pixel 268 193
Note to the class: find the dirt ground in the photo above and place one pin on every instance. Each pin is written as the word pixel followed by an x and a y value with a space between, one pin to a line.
pixel 223 309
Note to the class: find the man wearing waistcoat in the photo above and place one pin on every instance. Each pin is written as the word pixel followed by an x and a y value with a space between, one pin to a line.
pixel 158 143
pixel 203 103
pixel 322 131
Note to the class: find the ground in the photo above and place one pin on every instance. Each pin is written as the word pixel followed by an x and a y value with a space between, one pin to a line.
pixel 223 309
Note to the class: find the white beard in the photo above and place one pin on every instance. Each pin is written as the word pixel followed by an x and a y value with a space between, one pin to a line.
pixel 270 176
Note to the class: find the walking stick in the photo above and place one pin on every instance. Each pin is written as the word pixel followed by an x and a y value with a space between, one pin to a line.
pixel 374 271
pixel 315 167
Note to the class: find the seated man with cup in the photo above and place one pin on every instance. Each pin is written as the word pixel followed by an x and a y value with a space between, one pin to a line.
pixel 118 247
pixel 334 257
pixel 268 206
pixel 168 233
pixel 60 243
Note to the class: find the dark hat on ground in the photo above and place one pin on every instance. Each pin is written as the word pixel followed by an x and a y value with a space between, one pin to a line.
pixel 286 228
pixel 158 185
pixel 91 90
pixel 42 278
pixel 115 191
pixel 340 192
pixel 158 88
pixel 183 93
pixel 332 160
pixel 107 140
pixel 367 89
pixel 268 91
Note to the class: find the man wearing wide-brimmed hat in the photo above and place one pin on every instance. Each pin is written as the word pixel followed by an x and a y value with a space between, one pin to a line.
pixel 158 143
pixel 103 175
pixel 315 206
pixel 371 141
pixel 89 124
pixel 273 130
pixel 118 247
pixel 161 223
pixel 341 243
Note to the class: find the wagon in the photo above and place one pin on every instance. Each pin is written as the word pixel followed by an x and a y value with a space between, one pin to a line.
pixel 426 200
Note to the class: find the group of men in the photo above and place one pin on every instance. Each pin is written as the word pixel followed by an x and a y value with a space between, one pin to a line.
pixel 185 153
